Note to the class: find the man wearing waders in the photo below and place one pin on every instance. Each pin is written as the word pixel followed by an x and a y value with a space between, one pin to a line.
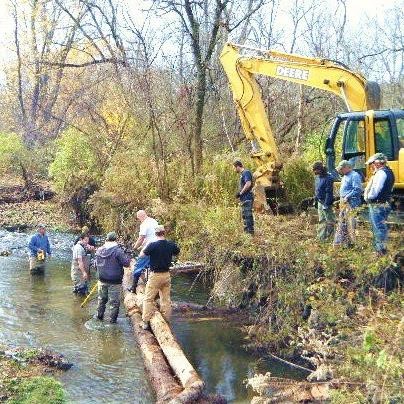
pixel 39 250
pixel 110 260
pixel 80 272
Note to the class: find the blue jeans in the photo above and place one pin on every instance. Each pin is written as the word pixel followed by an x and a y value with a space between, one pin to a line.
pixel 141 264
pixel 378 214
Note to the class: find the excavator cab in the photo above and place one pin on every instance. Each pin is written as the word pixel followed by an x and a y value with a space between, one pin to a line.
pixel 355 136
pixel 346 141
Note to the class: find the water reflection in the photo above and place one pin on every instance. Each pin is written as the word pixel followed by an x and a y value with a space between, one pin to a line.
pixel 216 350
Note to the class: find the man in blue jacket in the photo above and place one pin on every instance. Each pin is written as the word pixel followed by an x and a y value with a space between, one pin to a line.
pixel 110 260
pixel 324 196
pixel 39 250
pixel 350 199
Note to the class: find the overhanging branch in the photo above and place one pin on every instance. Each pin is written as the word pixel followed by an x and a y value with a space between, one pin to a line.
pixel 85 64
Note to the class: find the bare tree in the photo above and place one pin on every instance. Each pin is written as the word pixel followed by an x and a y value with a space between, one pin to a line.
pixel 201 22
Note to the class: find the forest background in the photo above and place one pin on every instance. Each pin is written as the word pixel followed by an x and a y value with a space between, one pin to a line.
pixel 124 103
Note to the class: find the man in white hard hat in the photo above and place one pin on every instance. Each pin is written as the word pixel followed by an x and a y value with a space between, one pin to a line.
pixel 378 194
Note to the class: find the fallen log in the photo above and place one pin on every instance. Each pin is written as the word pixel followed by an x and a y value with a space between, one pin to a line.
pixel 185 307
pixel 161 378
pixel 164 359
pixel 203 312
pixel 186 268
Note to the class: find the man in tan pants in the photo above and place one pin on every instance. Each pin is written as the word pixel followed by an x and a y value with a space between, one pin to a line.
pixel 159 282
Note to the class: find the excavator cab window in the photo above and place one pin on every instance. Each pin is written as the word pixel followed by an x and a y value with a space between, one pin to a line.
pixel 347 142
pixel 353 145
pixel 383 138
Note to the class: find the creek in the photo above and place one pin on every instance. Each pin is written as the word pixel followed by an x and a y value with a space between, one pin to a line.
pixel 41 311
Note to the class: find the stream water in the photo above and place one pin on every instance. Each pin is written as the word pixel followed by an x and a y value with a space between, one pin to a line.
pixel 40 311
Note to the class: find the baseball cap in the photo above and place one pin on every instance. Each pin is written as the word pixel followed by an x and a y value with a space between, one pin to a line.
pixel 377 157
pixel 159 229
pixel 111 236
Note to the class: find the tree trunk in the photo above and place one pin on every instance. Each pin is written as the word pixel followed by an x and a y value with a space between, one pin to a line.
pixel 299 120
pixel 26 177
pixel 199 108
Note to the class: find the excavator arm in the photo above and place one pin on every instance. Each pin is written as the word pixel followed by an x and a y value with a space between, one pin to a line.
pixel 327 75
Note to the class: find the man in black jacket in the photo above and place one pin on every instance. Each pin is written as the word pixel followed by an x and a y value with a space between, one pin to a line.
pixel 159 281
pixel 110 260
pixel 324 196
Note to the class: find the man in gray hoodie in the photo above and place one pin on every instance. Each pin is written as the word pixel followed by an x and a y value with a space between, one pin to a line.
pixel 110 260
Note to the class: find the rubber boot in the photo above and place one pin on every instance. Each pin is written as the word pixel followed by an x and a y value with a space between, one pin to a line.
pixel 134 285
pixel 114 315
pixel 101 310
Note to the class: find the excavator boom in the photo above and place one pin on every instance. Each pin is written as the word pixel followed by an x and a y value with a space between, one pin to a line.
pixel 323 74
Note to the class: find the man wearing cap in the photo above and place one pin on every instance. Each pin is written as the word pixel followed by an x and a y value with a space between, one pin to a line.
pixel 92 243
pixel 377 195
pixel 147 234
pixel 39 250
pixel 89 247
pixel 350 199
pixel 324 196
pixel 246 196
pixel 80 272
pixel 110 260
pixel 161 253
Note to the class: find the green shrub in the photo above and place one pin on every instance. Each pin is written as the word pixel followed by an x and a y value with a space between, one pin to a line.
pixel 313 147
pixel 376 365
pixel 135 181
pixel 76 163
pixel 298 179
pixel 15 158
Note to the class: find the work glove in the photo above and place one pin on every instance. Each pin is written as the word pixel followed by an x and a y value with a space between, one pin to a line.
pixel 238 195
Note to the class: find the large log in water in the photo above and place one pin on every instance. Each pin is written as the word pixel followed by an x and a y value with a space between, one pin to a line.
pixel 161 378
pixel 162 374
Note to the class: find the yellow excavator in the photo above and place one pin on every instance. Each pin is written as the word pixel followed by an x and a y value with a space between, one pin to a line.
pixel 362 132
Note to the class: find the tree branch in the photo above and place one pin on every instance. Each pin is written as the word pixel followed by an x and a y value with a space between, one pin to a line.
pixel 85 64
